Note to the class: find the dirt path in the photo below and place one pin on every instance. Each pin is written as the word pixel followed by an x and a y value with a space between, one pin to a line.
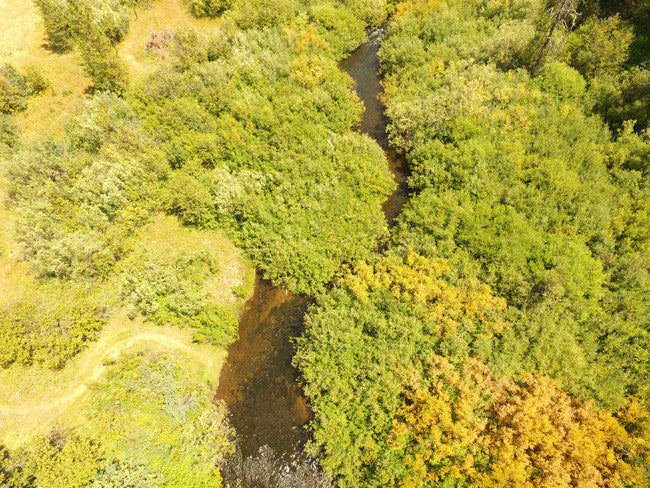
pixel 30 403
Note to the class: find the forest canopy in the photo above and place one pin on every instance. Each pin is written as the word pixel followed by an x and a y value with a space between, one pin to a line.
pixel 529 191
pixel 498 334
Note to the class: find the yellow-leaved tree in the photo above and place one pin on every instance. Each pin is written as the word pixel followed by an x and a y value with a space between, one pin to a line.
pixel 461 423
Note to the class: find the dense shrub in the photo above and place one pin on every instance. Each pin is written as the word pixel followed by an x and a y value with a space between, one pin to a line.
pixel 14 91
pixel 49 328
pixel 599 46
pixel 170 290
pixel 156 412
pixel 126 474
pixel 208 8
pixel 77 200
pixel 13 470
pixel 259 126
pixel 65 457
pixel 417 371
pixel 8 134
pixel 256 14
pixel 340 27
pixel 562 81
pixel 513 186
pixel 103 66
pixel 60 23
pixel 68 22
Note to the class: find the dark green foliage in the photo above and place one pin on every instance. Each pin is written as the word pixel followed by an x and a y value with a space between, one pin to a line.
pixel 13 472
pixel 625 97
pixel 93 26
pixel 207 8
pixel 14 91
pixel 8 134
pixel 68 22
pixel 599 46
pixel 611 49
pixel 49 328
pixel 60 23
pixel 104 66
pixel 259 125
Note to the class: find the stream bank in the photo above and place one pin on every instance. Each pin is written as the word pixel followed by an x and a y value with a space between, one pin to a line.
pixel 258 382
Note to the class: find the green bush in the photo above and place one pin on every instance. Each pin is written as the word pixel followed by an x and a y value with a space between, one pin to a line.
pixel 562 81
pixel 126 474
pixel 71 22
pixel 187 198
pixel 208 8
pixel 49 328
pixel 169 290
pixel 14 92
pixel 14 471
pixel 76 201
pixel 259 125
pixel 8 133
pixel 65 458
pixel 103 65
pixel 35 81
pixel 599 46
pixel 60 23
pixel 256 14
pixel 340 27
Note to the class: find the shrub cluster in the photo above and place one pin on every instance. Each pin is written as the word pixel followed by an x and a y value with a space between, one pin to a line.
pixel 94 26
pixel 49 328
pixel 530 200
pixel 258 129
pixel 169 290
pixel 77 200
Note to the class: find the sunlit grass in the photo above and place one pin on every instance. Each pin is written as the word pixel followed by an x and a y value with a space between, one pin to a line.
pixel 162 14
pixel 23 43
pixel 33 399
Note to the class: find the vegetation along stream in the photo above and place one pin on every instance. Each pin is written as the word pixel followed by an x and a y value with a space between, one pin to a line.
pixel 258 382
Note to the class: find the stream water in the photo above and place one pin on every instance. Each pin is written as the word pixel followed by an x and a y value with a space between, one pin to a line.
pixel 258 383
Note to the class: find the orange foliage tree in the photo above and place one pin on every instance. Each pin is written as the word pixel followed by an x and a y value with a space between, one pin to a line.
pixel 466 425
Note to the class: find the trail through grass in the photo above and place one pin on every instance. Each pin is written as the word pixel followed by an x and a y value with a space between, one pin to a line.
pixel 33 399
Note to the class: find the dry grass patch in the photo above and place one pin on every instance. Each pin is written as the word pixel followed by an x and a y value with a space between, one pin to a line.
pixel 22 43
pixel 163 14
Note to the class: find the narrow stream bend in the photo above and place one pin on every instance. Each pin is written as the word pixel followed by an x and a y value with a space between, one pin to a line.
pixel 258 382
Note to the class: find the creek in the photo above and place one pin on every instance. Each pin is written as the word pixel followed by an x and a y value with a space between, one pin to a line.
pixel 258 382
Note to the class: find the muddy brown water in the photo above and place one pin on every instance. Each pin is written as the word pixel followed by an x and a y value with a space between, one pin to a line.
pixel 258 382
pixel 363 66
